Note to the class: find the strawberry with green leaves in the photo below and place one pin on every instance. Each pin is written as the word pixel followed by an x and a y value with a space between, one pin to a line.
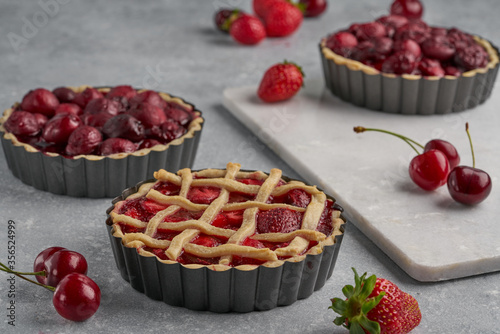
pixel 376 305
pixel 280 82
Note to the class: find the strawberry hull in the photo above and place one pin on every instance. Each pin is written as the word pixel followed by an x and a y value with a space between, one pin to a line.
pixel 232 290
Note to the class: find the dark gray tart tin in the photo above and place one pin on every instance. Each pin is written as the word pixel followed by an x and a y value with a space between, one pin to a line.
pixel 355 83
pixel 232 290
pixel 96 176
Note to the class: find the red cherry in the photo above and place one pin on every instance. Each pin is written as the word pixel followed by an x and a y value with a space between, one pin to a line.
pixel 431 67
pixel 102 104
pixel 125 91
pixel 39 264
pixel 64 94
pixel 116 145
pixel 447 148
pixel 124 126
pixel 469 185
pixel 23 123
pixel 86 96
pixel 77 297
pixel 41 101
pixel 61 263
pixel 84 140
pixel 408 45
pixel 430 169
pixel 69 108
pixel 58 129
pixel 314 8
pixel 148 96
pixel 411 9
pixel 149 114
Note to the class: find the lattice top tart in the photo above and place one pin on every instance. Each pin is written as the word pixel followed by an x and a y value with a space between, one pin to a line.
pixel 224 218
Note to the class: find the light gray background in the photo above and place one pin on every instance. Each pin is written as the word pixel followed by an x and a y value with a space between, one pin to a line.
pixel 172 46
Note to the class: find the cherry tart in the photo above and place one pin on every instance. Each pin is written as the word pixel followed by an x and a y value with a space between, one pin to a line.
pixel 403 65
pixel 273 238
pixel 93 142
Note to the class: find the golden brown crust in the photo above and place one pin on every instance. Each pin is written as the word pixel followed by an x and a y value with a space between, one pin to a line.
pixel 193 127
pixel 298 241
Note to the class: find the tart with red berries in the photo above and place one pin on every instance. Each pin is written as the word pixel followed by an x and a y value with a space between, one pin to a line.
pixel 94 142
pixel 400 64
pixel 225 239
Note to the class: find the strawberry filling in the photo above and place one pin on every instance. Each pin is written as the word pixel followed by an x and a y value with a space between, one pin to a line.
pixel 183 215
pixel 167 188
pixel 165 234
pixel 230 220
pixel 141 208
pixel 130 229
pixel 203 195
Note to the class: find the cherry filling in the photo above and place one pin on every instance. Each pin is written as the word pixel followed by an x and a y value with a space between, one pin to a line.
pixel 295 197
pixel 162 234
pixel 404 44
pixel 131 120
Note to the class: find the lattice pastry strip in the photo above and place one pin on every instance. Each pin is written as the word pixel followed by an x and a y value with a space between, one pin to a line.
pixel 295 242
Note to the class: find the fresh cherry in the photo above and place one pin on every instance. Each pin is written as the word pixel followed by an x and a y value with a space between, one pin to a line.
pixel 41 101
pixel 447 148
pixel 408 45
pixel 39 264
pixel 438 47
pixel 469 185
pixel 429 170
pixel 314 8
pixel 401 62
pixel 76 297
pixel 411 9
pixel 57 262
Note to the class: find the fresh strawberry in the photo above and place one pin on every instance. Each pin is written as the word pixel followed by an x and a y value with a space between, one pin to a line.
pixel 376 305
pixel 203 195
pixel 280 82
pixel 282 19
pixel 247 29
pixel 262 7
pixel 278 220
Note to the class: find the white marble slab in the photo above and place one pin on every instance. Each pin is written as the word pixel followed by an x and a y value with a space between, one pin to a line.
pixel 427 234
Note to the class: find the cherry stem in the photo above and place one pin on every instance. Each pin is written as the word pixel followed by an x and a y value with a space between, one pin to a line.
pixel 471 147
pixel 3 267
pixel 409 141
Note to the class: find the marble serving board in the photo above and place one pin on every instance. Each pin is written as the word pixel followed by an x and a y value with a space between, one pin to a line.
pixel 427 234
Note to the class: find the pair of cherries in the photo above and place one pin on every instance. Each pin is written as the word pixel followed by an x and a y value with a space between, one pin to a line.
pixel 76 296
pixel 439 165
